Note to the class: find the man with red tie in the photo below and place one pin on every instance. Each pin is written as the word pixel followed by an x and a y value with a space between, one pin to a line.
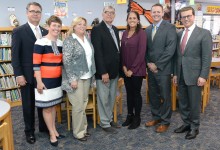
pixel 191 69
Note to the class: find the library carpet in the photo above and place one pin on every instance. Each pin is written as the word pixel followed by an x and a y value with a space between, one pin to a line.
pixel 141 138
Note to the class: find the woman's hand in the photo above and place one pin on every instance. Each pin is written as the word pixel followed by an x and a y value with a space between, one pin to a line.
pixel 40 87
pixel 74 84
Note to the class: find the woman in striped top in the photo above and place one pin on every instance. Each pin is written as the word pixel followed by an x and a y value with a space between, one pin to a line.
pixel 47 61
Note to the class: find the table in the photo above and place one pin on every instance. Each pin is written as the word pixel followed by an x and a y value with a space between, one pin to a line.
pixel 5 116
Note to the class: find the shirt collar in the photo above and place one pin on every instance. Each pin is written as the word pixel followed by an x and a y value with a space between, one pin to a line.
pixel 33 26
pixel 158 24
pixel 191 28
pixel 109 26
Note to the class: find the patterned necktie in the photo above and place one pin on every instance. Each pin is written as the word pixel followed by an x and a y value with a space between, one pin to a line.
pixel 114 37
pixel 183 43
pixel 38 35
pixel 154 32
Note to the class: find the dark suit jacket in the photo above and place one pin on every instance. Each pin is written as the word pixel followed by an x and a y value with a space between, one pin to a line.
pixel 107 56
pixel 161 50
pixel 196 59
pixel 23 40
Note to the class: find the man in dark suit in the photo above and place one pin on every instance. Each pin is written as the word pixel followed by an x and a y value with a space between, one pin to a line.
pixel 105 39
pixel 161 45
pixel 23 39
pixel 192 64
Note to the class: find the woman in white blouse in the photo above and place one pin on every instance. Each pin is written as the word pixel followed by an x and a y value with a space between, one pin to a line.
pixel 78 70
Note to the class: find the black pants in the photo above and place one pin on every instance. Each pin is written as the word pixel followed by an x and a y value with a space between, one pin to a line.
pixel 28 105
pixel 134 99
pixel 160 97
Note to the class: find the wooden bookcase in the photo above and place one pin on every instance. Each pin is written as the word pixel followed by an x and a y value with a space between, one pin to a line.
pixel 8 87
pixel 216 48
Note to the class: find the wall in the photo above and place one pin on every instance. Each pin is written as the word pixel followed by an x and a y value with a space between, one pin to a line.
pixel 80 7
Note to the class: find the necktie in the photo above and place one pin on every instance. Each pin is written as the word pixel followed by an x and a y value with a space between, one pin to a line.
pixel 114 37
pixel 154 32
pixel 183 43
pixel 38 34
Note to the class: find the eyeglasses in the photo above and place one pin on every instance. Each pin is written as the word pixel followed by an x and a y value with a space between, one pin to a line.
pixel 34 12
pixel 109 12
pixel 184 17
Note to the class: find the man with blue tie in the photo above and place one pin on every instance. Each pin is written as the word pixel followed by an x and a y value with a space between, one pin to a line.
pixel 191 69
pixel 161 45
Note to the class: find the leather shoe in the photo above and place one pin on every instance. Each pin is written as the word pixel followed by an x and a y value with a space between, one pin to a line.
pixel 60 136
pixel 115 125
pixel 83 139
pixel 87 134
pixel 54 143
pixel 182 129
pixel 162 128
pixel 152 123
pixel 192 134
pixel 110 130
pixel 30 138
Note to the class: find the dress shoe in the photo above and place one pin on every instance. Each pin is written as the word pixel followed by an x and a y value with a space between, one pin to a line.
pixel 135 123
pixel 30 138
pixel 115 125
pixel 192 134
pixel 182 129
pixel 87 134
pixel 162 128
pixel 60 136
pixel 54 143
pixel 83 139
pixel 128 120
pixel 110 130
pixel 152 123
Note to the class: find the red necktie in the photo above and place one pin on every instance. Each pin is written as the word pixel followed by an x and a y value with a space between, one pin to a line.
pixel 183 43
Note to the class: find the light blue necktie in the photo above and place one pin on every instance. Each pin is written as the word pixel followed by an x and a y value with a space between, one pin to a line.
pixel 114 37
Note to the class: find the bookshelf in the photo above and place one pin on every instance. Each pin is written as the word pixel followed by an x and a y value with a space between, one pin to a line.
pixel 216 48
pixel 9 89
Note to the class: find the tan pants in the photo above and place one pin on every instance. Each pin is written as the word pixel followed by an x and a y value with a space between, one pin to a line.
pixel 79 100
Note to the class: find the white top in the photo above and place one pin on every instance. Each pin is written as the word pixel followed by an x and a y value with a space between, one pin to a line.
pixel 4 108
pixel 189 32
pixel 88 50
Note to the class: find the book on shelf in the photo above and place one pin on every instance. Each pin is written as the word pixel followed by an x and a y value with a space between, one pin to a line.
pixel 8 83
pixel 5 39
pixel 13 95
pixel 6 68
pixel 5 54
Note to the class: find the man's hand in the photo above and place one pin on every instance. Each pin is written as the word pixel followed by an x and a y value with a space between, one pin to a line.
pixel 21 81
pixel 201 81
pixel 105 78
pixel 152 67
pixel 74 84
pixel 175 80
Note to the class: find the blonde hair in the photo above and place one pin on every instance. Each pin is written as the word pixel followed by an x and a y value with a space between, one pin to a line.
pixel 74 23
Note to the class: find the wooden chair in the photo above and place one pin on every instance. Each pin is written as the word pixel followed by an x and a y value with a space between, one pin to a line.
pixel 118 99
pixel 215 78
pixel 90 109
pixel 4 136
pixel 206 93
pixel 59 109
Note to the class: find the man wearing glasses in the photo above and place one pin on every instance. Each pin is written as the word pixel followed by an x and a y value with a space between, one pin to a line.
pixel 191 70
pixel 105 39
pixel 23 39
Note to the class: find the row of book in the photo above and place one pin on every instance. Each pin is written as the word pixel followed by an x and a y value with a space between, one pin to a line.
pixel 215 46
pixel 8 83
pixel 5 54
pixel 5 39
pixel 6 68
pixel 13 95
